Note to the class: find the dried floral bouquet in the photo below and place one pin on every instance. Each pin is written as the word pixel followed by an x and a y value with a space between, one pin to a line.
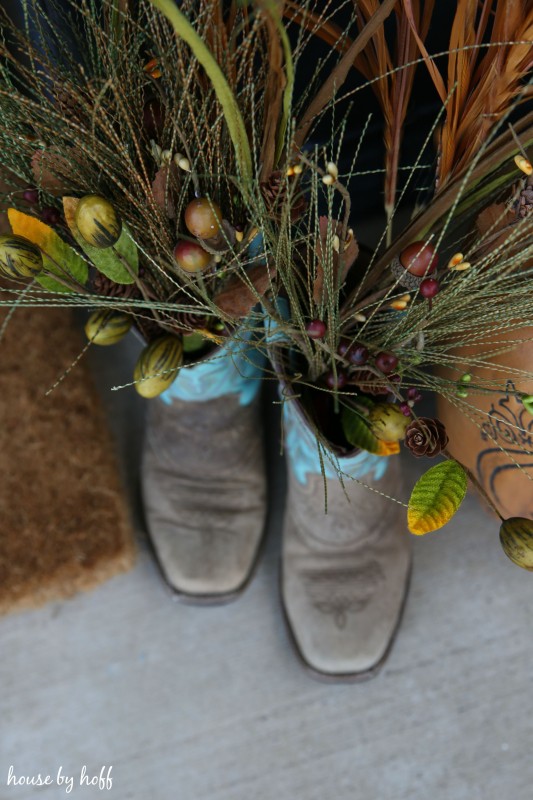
pixel 170 178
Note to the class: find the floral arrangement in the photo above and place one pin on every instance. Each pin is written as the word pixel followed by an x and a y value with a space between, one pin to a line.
pixel 167 176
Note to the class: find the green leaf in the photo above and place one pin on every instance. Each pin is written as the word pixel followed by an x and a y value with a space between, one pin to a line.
pixel 527 402
pixel 106 260
pixel 436 497
pixel 516 537
pixel 47 282
pixel 193 342
pixel 359 434
pixel 58 257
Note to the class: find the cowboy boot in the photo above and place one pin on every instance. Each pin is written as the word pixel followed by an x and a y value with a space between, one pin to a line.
pixel 345 572
pixel 203 475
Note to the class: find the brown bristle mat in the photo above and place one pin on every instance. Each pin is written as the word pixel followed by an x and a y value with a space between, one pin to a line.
pixel 64 521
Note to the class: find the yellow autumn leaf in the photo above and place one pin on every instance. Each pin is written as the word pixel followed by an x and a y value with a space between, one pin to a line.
pixel 388 448
pixel 436 497
pixel 58 257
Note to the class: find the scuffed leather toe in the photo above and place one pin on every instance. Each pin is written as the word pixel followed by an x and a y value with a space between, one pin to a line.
pixel 204 493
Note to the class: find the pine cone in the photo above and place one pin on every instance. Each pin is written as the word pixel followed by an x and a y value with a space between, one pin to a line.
pixel 426 437
pixel 369 383
pixel 144 321
pixel 525 202
pixel 104 286
pixel 148 327
pixel 274 192
pixel 188 321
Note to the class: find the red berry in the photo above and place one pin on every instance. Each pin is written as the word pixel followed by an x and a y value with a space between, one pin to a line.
pixel 50 215
pixel 191 257
pixel 414 395
pixel 419 259
pixel 343 348
pixel 202 218
pixel 316 329
pixel 31 196
pixel 429 287
pixel 405 409
pixel 358 355
pixel 386 362
pixel 337 381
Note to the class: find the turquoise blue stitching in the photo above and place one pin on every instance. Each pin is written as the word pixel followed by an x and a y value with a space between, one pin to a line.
pixel 302 448
pixel 236 369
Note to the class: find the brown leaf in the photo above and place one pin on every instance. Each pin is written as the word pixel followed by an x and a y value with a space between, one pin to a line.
pixel 495 225
pixel 493 218
pixel 332 228
pixel 48 171
pixel 239 297
pixel 164 188
pixel 70 204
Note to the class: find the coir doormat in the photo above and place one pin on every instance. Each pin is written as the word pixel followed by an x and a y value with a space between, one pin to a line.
pixel 64 522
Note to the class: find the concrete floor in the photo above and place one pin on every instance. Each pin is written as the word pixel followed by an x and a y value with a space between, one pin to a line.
pixel 190 703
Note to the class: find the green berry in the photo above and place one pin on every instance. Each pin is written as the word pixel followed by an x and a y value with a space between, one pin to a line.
pixel 387 422
pixel 98 222
pixel 105 327
pixel 19 258
pixel 158 366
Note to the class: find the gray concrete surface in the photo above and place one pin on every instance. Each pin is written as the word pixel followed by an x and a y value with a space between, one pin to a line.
pixel 188 703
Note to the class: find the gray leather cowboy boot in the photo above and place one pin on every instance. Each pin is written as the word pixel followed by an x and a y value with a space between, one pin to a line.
pixel 203 476
pixel 344 573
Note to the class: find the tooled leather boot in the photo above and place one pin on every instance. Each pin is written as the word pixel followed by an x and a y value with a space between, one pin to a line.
pixel 203 476
pixel 345 572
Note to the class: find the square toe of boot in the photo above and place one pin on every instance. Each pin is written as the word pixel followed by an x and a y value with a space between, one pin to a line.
pixel 207 562
pixel 337 630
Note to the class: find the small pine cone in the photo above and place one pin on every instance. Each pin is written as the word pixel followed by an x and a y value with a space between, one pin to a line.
pixel 187 321
pixel 525 202
pixel 426 437
pixel 146 324
pixel 275 195
pixel 104 286
pixel 369 383
pixel 149 328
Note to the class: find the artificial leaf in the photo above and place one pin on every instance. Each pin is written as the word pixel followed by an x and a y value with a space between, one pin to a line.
pixel 241 293
pixel 106 260
pixel 48 169
pixel 496 226
pixel 164 187
pixel 494 218
pixel 516 537
pixel 58 257
pixel 436 497
pixel 368 382
pixel 359 435
pixel 193 342
pixel 527 402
